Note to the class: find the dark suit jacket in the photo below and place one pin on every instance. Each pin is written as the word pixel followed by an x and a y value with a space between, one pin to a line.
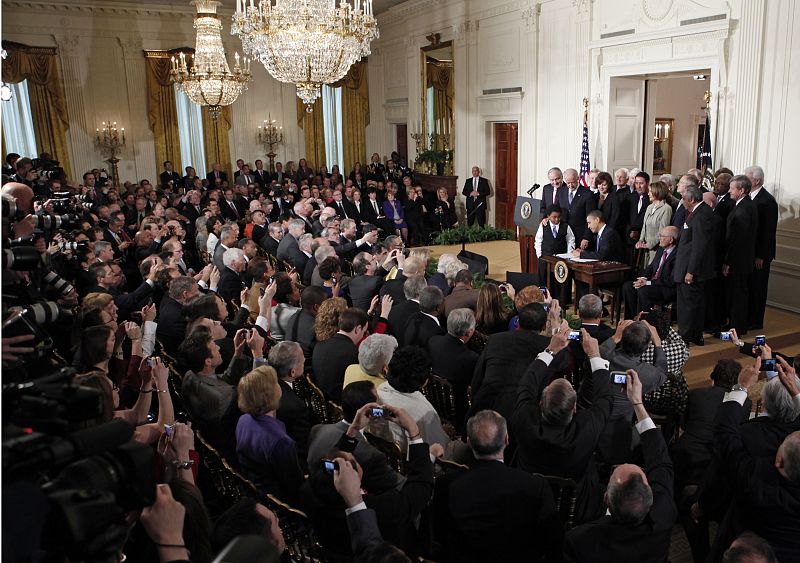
pixel 294 414
pixel 364 531
pixel 287 248
pixel 765 501
pixel 368 214
pixel 696 248
pixel 724 207
pixel 767 224
pixel 363 288
pixel 171 328
pixel 679 217
pixel 611 209
pixel 230 285
pixel 270 245
pixel 395 288
pixel 227 212
pixel 330 360
pixel 582 203
pixel 741 235
pixel 420 328
pixel 665 279
pixel 500 368
pixel 635 215
pixel 483 190
pixel 127 302
pixel 262 177
pixel 605 540
pixel 223 176
pixel 165 178
pixel 461 297
pixel 611 249
pixel 547 197
pixel 492 512
pixel 398 317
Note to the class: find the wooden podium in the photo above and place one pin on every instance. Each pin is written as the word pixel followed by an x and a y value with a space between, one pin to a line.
pixel 527 219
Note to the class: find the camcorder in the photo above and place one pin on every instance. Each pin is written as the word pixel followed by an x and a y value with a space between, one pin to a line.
pixel 76 480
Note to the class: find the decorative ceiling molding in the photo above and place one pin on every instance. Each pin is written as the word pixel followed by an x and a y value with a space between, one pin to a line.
pixel 86 8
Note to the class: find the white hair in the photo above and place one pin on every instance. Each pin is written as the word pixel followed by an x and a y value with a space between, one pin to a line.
pixel 777 401
pixel 756 172
pixel 375 353
pixel 444 260
pixel 232 255
pixel 304 242
pixel 323 252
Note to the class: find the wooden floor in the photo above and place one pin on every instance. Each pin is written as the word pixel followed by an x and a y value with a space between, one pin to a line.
pixel 782 328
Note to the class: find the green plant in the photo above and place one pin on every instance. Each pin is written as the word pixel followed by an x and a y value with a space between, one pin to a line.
pixel 474 233
pixel 434 157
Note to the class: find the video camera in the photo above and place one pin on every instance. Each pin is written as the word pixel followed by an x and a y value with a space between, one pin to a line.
pixel 75 485
pixel 48 169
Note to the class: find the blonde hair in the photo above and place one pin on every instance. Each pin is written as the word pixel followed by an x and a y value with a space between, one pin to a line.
pixel 326 323
pixel 259 391
pixel 528 295
pixel 95 302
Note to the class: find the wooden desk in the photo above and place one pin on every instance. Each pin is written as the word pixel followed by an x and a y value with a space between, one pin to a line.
pixel 431 183
pixel 593 274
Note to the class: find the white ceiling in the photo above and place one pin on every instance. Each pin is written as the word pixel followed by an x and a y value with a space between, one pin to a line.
pixel 379 6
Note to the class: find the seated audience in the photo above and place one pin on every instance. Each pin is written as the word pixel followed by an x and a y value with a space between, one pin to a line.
pixel 402 311
pixel 462 295
pixel 247 517
pixel 287 359
pixel 655 286
pixel 491 314
pixel 332 357
pixel 425 324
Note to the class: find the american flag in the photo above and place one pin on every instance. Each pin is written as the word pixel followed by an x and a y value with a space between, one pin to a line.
pixel 585 151
pixel 704 161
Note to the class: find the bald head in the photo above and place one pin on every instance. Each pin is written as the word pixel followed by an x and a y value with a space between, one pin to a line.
pixel 21 193
pixel 710 199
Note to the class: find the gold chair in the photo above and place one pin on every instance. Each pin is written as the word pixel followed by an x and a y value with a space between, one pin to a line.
pixel 325 411
pixel 565 497
pixel 444 466
pixel 301 540
pixel 441 395
pixel 204 257
pixel 391 450
pixel 222 486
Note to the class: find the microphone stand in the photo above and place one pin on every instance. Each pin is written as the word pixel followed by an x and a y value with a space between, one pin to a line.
pixel 469 216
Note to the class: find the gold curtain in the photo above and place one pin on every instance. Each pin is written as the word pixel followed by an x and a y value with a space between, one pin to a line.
pixel 162 112
pixel 215 139
pixel 440 77
pixel 313 125
pixel 39 66
pixel 355 114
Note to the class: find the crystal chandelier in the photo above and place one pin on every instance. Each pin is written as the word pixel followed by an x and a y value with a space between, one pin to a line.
pixel 209 81
pixel 306 42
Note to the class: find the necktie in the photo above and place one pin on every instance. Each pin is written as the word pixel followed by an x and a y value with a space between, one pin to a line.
pixel 555 231
pixel 660 266
pixel 375 206
pixel 235 211
pixel 475 184
pixel 555 196
pixel 599 238
pixel 639 207
pixel 571 196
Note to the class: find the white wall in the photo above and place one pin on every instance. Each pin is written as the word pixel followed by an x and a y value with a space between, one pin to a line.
pixel 101 49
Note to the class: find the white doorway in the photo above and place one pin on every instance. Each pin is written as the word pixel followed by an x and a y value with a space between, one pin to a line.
pixel 655 121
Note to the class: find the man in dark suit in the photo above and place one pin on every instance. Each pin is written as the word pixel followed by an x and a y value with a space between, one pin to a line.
pixel 228 206
pixel 504 359
pixel 694 265
pixel 170 177
pixel 331 357
pixel 406 268
pixel 605 242
pixel 767 488
pixel 288 361
pixel 230 279
pixel 343 207
pixel 476 190
pixel 621 192
pixel 367 281
pixel 261 176
pixel 492 512
pixel 272 239
pixel 425 324
pixel 641 509
pixel 758 283
pixel 722 184
pixel 590 311
pixel 637 206
pixel 740 251
pixel 452 359
pixel 217 175
pixel 554 438
pixel 402 312
pixel 106 281
pixel 576 203
pixel 463 294
pixel 171 329
pixel 656 284
pixel 551 192
pixel 679 216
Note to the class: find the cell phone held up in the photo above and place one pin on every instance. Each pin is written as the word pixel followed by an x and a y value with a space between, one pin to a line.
pixel 619 377
pixel 574 335
pixel 329 465
pixel 377 412
pixel 769 364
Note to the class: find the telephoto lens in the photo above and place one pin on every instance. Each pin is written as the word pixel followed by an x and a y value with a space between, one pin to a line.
pixel 21 258
pixel 10 209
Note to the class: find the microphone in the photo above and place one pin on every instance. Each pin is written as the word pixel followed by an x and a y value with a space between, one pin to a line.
pixel 533 189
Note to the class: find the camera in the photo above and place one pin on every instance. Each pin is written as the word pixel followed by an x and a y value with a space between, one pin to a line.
pixel 10 209
pixel 769 365
pixel 725 335
pixel 329 466
pixel 761 340
pixel 21 258
pixel 378 412
pixel 48 169
pixel 74 246
pixel 619 377
pixel 544 291
pixel 574 335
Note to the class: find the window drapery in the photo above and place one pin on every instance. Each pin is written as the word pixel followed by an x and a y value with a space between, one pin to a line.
pixel 162 111
pixel 40 67
pixel 18 131
pixel 190 128
pixel 313 126
pixel 332 117
pixel 215 134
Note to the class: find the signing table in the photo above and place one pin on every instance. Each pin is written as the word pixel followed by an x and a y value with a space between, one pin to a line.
pixel 592 273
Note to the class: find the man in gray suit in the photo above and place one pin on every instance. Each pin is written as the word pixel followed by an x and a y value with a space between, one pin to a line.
pixel 378 475
pixel 227 239
pixel 288 249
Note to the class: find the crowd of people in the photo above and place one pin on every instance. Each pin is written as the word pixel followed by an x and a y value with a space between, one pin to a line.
pixel 267 321
pixel 708 251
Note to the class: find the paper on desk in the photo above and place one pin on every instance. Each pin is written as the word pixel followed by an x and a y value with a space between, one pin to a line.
pixel 568 256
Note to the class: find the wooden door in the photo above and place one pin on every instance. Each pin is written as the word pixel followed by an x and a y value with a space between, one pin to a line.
pixel 626 123
pixel 402 141
pixel 505 175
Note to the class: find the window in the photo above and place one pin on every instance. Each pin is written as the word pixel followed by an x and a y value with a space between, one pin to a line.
pixel 18 122
pixel 190 130
pixel 429 117
pixel 332 117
